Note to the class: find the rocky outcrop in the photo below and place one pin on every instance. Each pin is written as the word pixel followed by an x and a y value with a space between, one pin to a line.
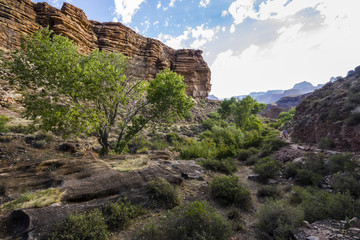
pixel 291 101
pixel 22 17
pixel 331 115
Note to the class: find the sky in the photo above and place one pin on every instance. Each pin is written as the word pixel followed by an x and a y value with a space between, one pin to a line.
pixel 249 45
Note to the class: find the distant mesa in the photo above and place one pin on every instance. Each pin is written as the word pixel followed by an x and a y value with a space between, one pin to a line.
pixel 23 17
pixel 213 97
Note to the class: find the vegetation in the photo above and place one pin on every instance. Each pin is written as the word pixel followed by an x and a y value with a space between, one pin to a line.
pixel 196 220
pixel 3 120
pixel 37 199
pixel 163 193
pixel 92 94
pixel 267 168
pixel 118 215
pixel 229 190
pixel 277 218
pixel 84 226
pixel 269 191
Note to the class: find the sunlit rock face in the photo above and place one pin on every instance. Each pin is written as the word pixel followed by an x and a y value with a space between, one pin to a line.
pixel 22 17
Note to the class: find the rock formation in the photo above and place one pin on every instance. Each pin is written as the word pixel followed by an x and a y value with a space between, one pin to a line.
pixel 331 115
pixel 22 17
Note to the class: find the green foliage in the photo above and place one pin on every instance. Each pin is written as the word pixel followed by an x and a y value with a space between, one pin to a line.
pixel 346 182
pixel 92 94
pixel 268 191
pixel 229 190
pixel 84 226
pixel 163 193
pixel 306 177
pixel 138 144
pixel 195 221
pixel 214 115
pixel 285 117
pixel 326 143
pixel 243 112
pixel 291 169
pixel 267 168
pixel 341 163
pixel 244 154
pixel 253 138
pixel 3 120
pixel 271 143
pixel 353 119
pixel 118 215
pixel 194 149
pixel 277 218
pixel 226 165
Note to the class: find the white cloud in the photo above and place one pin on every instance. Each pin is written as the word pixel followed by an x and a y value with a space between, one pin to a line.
pixel 224 13
pixel 203 35
pixel 204 3
pixel 223 29
pixel 172 2
pixel 156 23
pixel 158 5
pixel 126 9
pixel 175 42
pixel 297 54
pixel 232 28
pixel 115 19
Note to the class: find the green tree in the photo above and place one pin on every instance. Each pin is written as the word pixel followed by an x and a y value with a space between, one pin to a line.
pixel 243 112
pixel 68 93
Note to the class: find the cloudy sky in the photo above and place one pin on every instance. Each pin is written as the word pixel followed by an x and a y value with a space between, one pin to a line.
pixel 250 45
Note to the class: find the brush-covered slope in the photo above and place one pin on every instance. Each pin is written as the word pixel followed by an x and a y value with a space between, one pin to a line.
pixel 331 115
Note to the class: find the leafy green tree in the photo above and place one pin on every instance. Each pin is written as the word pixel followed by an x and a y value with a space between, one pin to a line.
pixel 68 93
pixel 286 116
pixel 243 112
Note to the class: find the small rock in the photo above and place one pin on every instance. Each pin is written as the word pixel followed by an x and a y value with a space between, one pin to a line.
pixel 253 177
pixel 355 222
pixel 272 181
pixel 312 238
pixel 306 224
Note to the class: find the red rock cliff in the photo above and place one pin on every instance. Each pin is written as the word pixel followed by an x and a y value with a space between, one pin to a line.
pixel 22 17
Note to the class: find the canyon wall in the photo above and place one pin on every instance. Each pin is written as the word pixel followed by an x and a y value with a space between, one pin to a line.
pixel 22 17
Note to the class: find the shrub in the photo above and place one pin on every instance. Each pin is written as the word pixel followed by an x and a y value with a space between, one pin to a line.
pixel 353 119
pixel 315 162
pixel 298 195
pixel 3 120
pixel 291 169
pixel 229 190
pixel 226 166
pixel 268 191
pixel 253 138
pixel 195 149
pixel 306 177
pixel 271 144
pixel 326 143
pixel 277 219
pixel 244 154
pixel 341 163
pixel 118 215
pixel 196 221
pixel 209 123
pixel 252 160
pixel 84 226
pixel 346 182
pixel 164 194
pixel 267 168
pixel 138 144
pixel 214 115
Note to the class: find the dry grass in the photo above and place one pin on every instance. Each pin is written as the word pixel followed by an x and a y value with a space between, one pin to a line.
pixel 129 165
pixel 42 198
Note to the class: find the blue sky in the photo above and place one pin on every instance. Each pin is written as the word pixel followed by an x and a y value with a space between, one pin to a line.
pixel 249 45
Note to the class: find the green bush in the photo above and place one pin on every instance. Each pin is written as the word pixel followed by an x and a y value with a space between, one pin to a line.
pixel 244 154
pixel 291 169
pixel 267 168
pixel 306 177
pixel 209 123
pixel 3 120
pixel 225 165
pixel 138 144
pixel 195 149
pixel 346 182
pixel 341 163
pixel 164 194
pixel 326 143
pixel 84 226
pixel 118 215
pixel 195 221
pixel 271 144
pixel 252 160
pixel 214 115
pixel 253 138
pixel 353 119
pixel 229 190
pixel 277 219
pixel 269 191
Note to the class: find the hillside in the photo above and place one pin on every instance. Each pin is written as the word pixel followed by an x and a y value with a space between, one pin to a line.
pixel 331 115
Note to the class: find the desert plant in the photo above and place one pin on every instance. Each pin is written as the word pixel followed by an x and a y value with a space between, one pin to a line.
pixel 224 165
pixel 291 169
pixel 277 218
pixel 84 226
pixel 196 221
pixel 163 193
pixel 341 163
pixel 267 168
pixel 268 191
pixel 346 182
pixel 3 120
pixel 118 215
pixel 326 143
pixel 229 190
pixel 306 177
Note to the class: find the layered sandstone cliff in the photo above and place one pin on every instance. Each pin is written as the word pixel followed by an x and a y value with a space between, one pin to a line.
pixel 22 17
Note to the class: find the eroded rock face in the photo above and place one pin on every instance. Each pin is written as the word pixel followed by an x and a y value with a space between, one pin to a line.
pixel 19 17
